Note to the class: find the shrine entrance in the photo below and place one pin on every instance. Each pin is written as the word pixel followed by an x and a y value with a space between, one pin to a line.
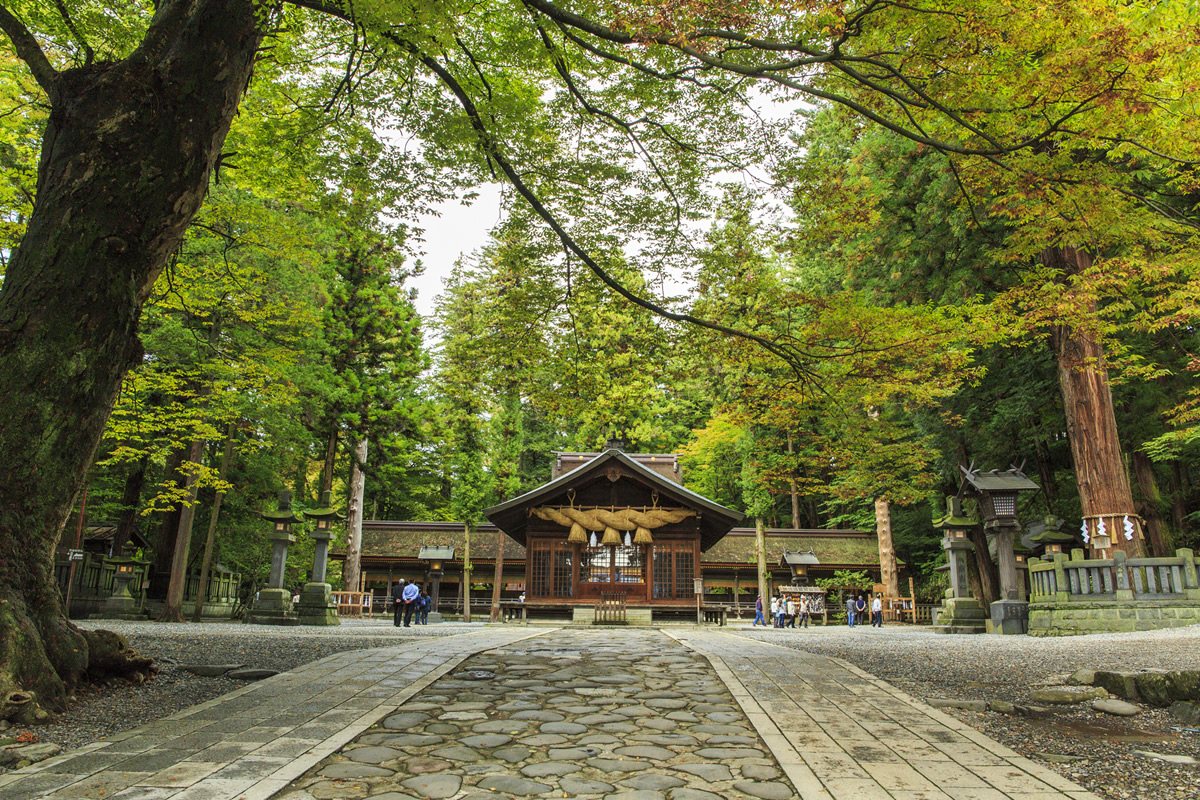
pixel 614 526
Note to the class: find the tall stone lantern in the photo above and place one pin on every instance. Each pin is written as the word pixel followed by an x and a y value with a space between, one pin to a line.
pixel 997 494
pixel 960 612
pixel 317 605
pixel 273 605
pixel 435 557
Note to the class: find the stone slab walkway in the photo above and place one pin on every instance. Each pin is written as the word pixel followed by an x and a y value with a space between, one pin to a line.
pixel 842 734
pixel 634 714
pixel 250 743
pixel 627 714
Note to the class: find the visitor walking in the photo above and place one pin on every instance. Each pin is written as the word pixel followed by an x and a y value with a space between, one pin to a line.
pixel 877 612
pixel 860 608
pixel 758 615
pixel 411 593
pixel 803 611
pixel 850 606
pixel 426 601
pixel 782 606
pixel 774 612
pixel 397 602
pixel 791 612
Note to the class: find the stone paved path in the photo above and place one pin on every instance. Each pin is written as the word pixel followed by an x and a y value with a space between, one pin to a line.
pixel 842 733
pixel 683 714
pixel 250 743
pixel 628 714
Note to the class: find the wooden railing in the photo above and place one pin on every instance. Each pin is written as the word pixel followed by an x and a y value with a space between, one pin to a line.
pixel 610 609
pixel 352 604
pixel 1062 579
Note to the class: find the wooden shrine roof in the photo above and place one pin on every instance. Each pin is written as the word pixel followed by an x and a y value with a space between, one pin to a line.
pixel 625 481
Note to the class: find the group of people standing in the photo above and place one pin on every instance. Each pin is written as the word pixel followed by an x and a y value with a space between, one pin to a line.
pixel 856 610
pixel 409 601
pixel 785 611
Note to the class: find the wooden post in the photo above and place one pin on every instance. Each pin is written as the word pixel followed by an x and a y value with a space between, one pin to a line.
pixel 760 548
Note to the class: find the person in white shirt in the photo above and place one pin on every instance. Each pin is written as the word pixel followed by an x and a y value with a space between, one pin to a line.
pixel 877 612
pixel 775 612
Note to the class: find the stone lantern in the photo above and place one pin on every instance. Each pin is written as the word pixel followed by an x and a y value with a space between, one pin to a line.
pixel 273 605
pixel 997 494
pixel 317 605
pixel 121 604
pixel 960 612
pixel 435 557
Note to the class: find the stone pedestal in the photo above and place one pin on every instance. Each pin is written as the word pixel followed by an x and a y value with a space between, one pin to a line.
pixel 961 615
pixel 121 607
pixel 435 618
pixel 317 606
pixel 273 607
pixel 1009 617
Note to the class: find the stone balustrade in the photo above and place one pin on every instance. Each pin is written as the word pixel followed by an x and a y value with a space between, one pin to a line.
pixel 1070 595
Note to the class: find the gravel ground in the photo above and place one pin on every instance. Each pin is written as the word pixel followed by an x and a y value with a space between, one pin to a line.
pixel 922 663
pixel 1087 746
pixel 105 710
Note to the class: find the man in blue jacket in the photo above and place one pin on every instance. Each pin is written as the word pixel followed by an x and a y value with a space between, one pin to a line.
pixel 397 601
pixel 411 593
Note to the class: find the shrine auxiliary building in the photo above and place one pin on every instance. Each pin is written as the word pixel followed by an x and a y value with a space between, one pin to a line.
pixel 674 537
pixel 613 523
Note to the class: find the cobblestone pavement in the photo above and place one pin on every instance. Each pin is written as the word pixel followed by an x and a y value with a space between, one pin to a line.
pixel 632 714
pixel 250 743
pixel 687 715
pixel 627 714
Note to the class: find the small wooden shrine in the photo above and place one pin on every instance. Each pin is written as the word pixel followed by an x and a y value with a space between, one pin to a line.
pixel 613 523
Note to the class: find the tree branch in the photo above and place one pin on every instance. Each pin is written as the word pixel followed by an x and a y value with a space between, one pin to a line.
pixel 29 51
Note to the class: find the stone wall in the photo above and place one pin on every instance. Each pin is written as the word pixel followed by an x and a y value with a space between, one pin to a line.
pixel 1102 616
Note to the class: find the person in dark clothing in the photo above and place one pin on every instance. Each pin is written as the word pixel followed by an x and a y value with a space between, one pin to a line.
pixel 397 602
pixel 425 603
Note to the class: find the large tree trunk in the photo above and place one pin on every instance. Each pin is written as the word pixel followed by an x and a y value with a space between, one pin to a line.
pixel 130 496
pixel 125 163
pixel 466 579
pixel 887 550
pixel 795 495
pixel 1100 476
pixel 498 576
pixel 210 538
pixel 173 610
pixel 1151 505
pixel 760 555
pixel 986 570
pixel 354 518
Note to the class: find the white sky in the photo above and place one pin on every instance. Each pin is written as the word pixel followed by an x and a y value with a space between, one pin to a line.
pixel 458 231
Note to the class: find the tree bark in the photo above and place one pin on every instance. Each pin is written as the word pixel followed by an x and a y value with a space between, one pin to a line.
pixel 1100 476
pixel 791 448
pixel 498 576
pixel 466 583
pixel 125 162
pixel 354 518
pixel 760 554
pixel 887 550
pixel 989 574
pixel 173 611
pixel 209 539
pixel 130 496
pixel 168 526
pixel 1151 505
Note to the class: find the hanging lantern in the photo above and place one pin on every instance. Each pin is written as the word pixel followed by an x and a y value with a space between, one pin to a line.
pixel 577 535
pixel 611 537
pixel 593 543
pixel 628 539
pixel 642 536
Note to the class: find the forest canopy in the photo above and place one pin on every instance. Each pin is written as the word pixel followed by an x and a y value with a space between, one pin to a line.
pixel 829 251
